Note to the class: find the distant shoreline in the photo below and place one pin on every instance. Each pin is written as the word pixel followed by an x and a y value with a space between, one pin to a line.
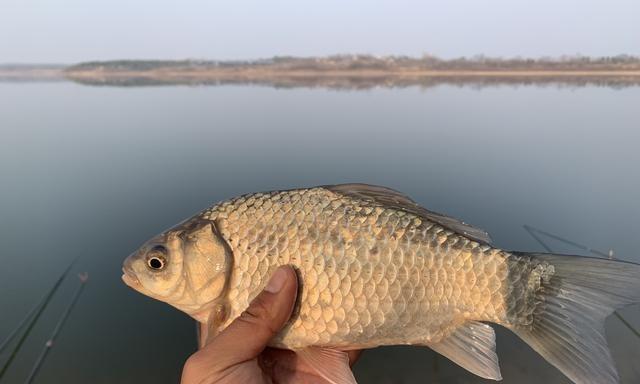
pixel 31 73
pixel 365 73
pixel 354 79
pixel 345 71
pixel 260 74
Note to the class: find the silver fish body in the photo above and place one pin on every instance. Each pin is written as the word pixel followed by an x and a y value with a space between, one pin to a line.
pixel 376 269
pixel 370 275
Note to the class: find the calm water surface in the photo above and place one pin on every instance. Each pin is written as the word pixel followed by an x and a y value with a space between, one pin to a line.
pixel 95 171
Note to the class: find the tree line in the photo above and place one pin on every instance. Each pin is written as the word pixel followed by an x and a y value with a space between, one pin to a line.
pixel 378 63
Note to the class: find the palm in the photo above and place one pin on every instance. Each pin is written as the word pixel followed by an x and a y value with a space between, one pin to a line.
pixel 275 366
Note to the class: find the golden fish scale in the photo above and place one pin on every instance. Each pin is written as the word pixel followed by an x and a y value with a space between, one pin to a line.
pixel 370 275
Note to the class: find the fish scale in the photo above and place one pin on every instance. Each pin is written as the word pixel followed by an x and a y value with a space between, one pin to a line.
pixel 369 275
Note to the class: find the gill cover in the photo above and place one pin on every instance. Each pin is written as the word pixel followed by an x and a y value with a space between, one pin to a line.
pixel 207 260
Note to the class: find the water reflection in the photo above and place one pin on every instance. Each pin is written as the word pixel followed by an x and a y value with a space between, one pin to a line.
pixel 95 171
pixel 363 83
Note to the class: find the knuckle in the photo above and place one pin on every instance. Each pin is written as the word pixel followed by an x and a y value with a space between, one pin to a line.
pixel 194 363
pixel 198 369
pixel 191 368
pixel 259 316
pixel 259 308
pixel 193 360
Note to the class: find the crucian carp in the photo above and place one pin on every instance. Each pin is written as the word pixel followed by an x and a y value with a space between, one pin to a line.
pixel 375 268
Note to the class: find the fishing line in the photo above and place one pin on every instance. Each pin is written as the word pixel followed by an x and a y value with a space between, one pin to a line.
pixel 84 277
pixel 35 318
pixel 21 324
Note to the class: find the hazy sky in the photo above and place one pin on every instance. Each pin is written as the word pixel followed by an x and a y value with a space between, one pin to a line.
pixel 76 30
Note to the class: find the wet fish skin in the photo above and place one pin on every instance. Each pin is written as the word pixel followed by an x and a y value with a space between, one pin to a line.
pixel 370 275
pixel 375 268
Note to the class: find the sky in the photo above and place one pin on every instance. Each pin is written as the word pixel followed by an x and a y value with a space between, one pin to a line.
pixel 69 31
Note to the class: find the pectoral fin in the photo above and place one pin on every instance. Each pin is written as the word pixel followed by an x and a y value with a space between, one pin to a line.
pixel 331 364
pixel 473 347
pixel 215 319
pixel 202 331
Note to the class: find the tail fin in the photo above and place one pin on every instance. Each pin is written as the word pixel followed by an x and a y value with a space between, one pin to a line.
pixel 568 326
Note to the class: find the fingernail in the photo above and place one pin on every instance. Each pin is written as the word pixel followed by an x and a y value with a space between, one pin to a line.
pixel 277 281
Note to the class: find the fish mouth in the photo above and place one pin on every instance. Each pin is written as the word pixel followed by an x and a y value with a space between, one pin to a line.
pixel 130 281
pixel 129 278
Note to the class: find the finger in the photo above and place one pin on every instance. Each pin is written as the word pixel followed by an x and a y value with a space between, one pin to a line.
pixel 248 335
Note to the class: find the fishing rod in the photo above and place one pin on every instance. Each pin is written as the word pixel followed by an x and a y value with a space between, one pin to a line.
pixel 532 231
pixel 22 323
pixel 34 318
pixel 84 277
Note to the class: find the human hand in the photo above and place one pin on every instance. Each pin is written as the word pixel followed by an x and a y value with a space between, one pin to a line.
pixel 239 354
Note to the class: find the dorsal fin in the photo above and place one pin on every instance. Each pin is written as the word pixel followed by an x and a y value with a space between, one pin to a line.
pixel 391 198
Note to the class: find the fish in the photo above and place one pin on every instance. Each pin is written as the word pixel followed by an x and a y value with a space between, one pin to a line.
pixel 376 268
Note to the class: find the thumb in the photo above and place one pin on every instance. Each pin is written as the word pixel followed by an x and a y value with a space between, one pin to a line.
pixel 248 335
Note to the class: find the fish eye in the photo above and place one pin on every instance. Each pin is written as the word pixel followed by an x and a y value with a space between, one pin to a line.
pixel 156 259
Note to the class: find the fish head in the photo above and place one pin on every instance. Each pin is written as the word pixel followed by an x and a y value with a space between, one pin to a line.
pixel 187 267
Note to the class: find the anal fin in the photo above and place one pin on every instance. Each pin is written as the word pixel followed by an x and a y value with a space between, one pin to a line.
pixel 473 347
pixel 207 331
pixel 331 364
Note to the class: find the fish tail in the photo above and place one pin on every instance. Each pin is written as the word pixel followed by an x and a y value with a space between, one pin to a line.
pixel 570 310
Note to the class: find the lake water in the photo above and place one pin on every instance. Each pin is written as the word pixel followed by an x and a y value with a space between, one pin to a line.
pixel 95 171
